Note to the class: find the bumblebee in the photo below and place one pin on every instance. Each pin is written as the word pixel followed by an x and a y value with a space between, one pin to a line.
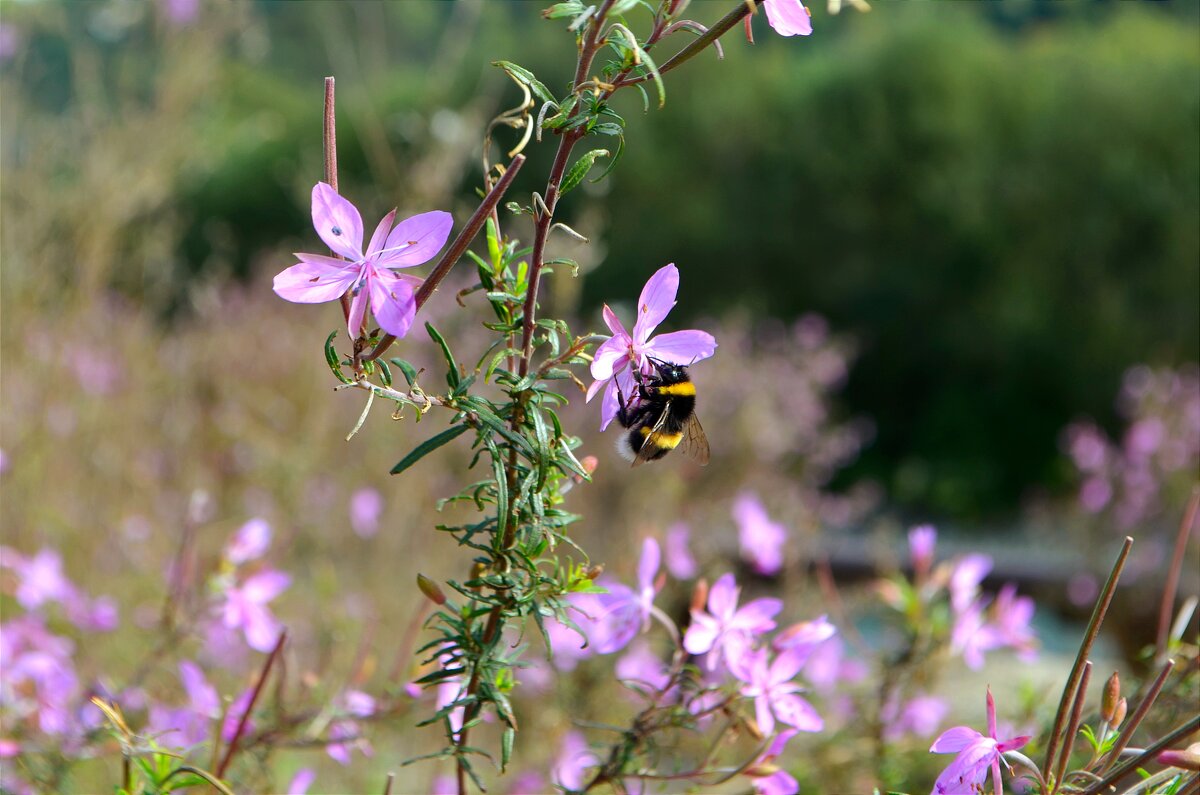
pixel 664 417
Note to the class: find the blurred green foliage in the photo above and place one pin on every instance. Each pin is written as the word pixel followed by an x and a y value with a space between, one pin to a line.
pixel 1001 202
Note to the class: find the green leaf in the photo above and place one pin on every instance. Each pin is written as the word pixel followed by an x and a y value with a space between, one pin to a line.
pixel 427 447
pixel 523 75
pixel 410 372
pixel 648 62
pixel 385 372
pixel 493 244
pixel 506 747
pixel 331 358
pixel 580 170
pixel 570 8
pixel 453 375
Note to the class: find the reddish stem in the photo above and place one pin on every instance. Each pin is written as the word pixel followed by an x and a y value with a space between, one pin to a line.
pixel 1167 608
pixel 245 719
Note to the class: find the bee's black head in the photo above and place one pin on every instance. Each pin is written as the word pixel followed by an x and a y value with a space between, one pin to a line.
pixel 670 373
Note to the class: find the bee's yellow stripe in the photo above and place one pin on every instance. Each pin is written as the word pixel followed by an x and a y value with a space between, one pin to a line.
pixel 683 388
pixel 668 441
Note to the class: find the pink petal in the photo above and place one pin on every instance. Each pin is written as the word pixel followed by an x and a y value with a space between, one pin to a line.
pixel 609 356
pixel 954 740
pixel 795 711
pixel 201 694
pixel 337 222
pixel 762 713
pixel 682 347
pixel 787 665
pixel 393 303
pixel 1013 743
pixel 788 17
pixel 614 324
pixel 656 300
pixel 757 616
pixel 701 634
pixel 265 586
pixel 969 767
pixel 314 283
pixel 723 597
pixel 648 565
pixel 416 240
pixel 358 310
pixel 381 234
pixel 609 405
pixel 595 388
pixel 262 630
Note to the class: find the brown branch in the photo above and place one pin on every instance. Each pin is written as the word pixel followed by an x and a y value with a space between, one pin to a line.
pixel 1167 607
pixel 245 719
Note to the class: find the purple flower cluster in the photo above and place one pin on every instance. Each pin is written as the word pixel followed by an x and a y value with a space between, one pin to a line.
pixel 1160 448
pixel 245 596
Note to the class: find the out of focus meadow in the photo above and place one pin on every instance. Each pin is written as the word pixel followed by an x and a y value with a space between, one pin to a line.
pixel 951 255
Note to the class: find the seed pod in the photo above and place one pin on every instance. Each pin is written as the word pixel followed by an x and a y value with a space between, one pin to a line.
pixel 700 595
pixel 1112 694
pixel 1119 714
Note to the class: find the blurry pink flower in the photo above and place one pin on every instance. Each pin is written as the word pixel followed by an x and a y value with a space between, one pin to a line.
pixel 40 578
pixel 965 579
pixel 54 686
pixel 10 41
pixel 623 611
pixel 643 668
pixel 828 665
pixel 976 754
pixel 188 726
pixel 233 716
pixel 181 12
pixel 614 360
pixel 346 736
pixel 367 276
pixel 300 782
pixel 357 703
pixel 724 628
pixel 93 615
pixel 761 540
pixel 1010 620
pixel 245 608
pixel 529 782
pixel 1088 446
pixel 766 777
pixel 775 694
pixel 9 748
pixel 366 506
pixel 250 542
pixel 1095 493
pixel 788 17
pixel 919 716
pixel 678 556
pixel 970 636
pixel 921 541
pixel 443 785
pixel 574 758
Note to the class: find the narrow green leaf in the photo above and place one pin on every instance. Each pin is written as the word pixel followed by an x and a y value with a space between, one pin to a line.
pixel 331 358
pixel 506 747
pixel 523 75
pixel 580 170
pixel 385 372
pixel 493 244
pixel 453 375
pixel 427 447
pixel 410 372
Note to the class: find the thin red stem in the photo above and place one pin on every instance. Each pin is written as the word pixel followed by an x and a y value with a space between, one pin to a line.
pixel 1167 607
pixel 245 719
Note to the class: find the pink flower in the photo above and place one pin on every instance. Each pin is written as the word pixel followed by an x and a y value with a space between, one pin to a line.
pixel 618 616
pixel 233 716
pixel 41 577
pixel 613 361
pixel 250 542
pixel 976 753
pixel 788 17
pixel 921 541
pixel 770 685
pixel 919 716
pixel 190 725
pixel 367 276
pixel 245 608
pixel 301 781
pixel 366 506
pixel 642 668
pixel 679 558
pixel 725 630
pixel 574 758
pixel 965 580
pixel 761 540
pixel 766 777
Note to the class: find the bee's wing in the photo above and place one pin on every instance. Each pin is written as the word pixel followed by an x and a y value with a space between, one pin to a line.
pixel 695 443
pixel 643 453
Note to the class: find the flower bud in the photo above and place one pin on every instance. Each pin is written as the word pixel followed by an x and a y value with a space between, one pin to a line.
pixel 431 590
pixel 1182 758
pixel 595 571
pixel 590 463
pixel 1112 694
pixel 1118 714
pixel 700 595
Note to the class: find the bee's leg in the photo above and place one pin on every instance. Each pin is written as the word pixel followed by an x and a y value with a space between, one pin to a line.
pixel 623 412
